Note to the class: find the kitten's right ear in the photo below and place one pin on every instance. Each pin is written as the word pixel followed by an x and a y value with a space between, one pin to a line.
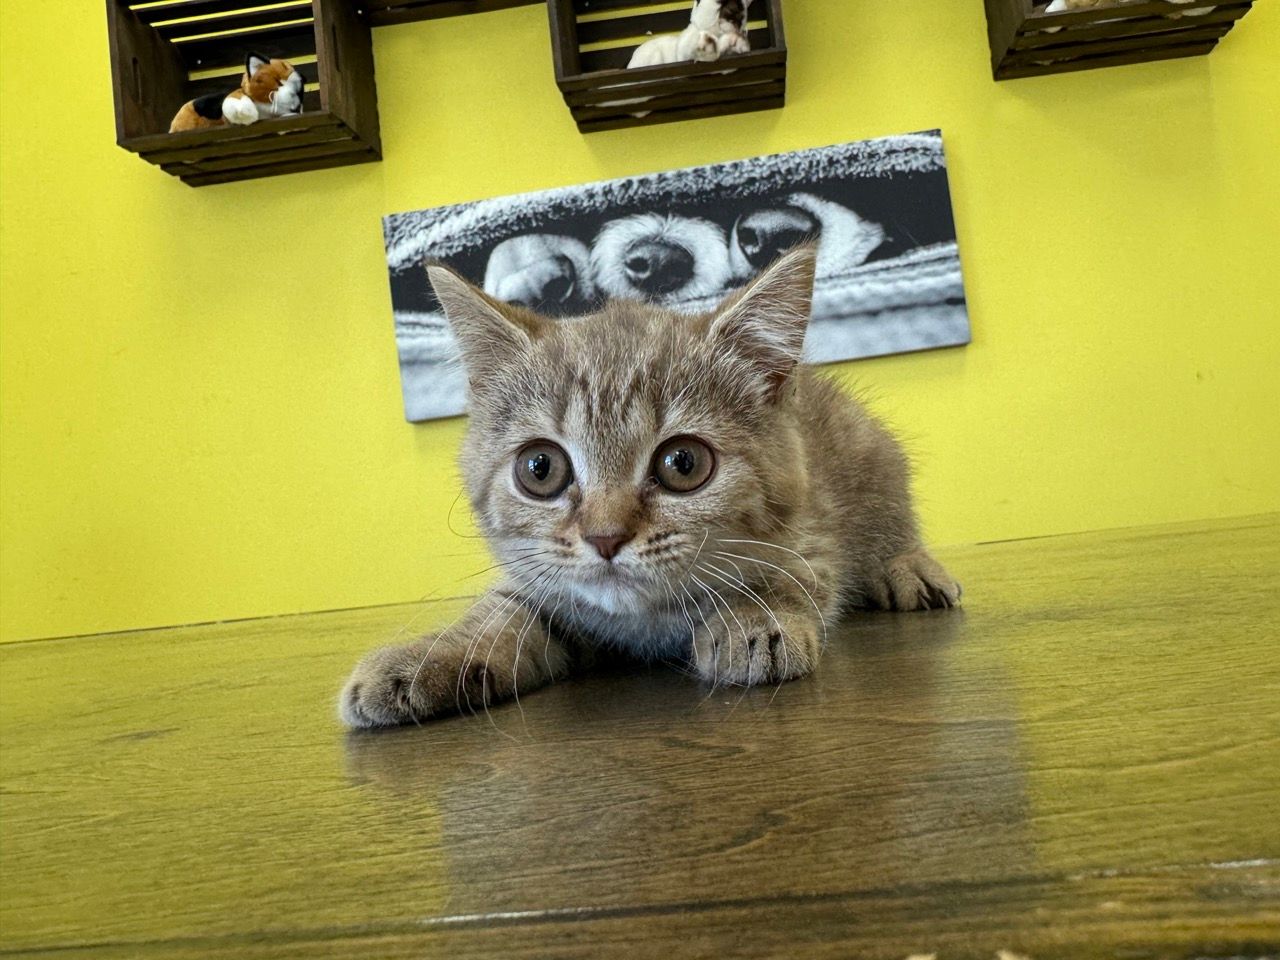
pixel 490 333
pixel 255 62
pixel 765 323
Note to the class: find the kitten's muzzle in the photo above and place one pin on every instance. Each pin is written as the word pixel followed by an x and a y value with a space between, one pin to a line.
pixel 609 544
pixel 656 267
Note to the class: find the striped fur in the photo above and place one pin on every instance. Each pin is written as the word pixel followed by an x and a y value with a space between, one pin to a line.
pixel 807 515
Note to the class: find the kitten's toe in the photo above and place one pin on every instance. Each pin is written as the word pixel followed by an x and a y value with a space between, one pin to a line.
pixel 915 581
pixel 757 652
pixel 384 690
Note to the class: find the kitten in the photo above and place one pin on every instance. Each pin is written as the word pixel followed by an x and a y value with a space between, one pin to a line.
pixel 716 28
pixel 669 486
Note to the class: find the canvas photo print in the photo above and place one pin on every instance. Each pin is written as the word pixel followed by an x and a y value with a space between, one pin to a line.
pixel 888 279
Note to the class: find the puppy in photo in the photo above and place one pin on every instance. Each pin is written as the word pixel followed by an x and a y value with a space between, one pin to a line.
pixel 664 259
pixel 541 271
pixel 761 236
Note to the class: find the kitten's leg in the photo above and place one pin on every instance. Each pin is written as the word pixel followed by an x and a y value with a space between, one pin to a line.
pixel 914 581
pixel 498 649
pixel 748 634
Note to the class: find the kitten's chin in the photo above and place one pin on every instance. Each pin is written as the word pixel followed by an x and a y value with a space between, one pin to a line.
pixel 612 595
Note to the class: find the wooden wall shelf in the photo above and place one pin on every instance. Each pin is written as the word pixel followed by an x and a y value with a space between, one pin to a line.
pixel 592 41
pixel 382 12
pixel 1026 41
pixel 165 54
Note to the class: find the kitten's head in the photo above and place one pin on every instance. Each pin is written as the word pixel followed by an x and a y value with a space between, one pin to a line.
pixel 604 451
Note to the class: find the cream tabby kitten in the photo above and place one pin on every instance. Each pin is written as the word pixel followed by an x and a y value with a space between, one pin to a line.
pixel 664 485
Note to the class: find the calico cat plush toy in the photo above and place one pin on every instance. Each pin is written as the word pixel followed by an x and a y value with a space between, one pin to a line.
pixel 670 486
pixel 716 28
pixel 269 88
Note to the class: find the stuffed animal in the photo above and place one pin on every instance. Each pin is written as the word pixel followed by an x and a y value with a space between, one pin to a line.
pixel 269 88
pixel 1064 6
pixel 716 28
pixel 1196 12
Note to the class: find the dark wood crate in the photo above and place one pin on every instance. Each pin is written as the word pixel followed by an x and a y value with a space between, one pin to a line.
pixel 165 54
pixel 1026 41
pixel 382 12
pixel 592 41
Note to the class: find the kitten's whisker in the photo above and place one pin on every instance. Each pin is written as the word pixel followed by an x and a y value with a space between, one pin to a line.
pixel 448 520
pixel 693 631
pixel 528 555
pixel 424 602
pixel 460 688
pixel 697 553
pixel 763 543
pixel 714 649
pixel 534 617
pixel 774 566
pixel 474 645
pixel 717 599
pixel 546 647
pixel 745 590
pixel 440 635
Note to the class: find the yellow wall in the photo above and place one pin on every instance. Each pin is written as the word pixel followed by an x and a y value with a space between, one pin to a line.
pixel 184 441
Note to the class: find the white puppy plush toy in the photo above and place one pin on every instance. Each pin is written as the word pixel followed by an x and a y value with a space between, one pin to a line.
pixel 716 28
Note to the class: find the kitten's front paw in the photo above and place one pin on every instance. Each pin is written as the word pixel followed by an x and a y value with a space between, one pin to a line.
pixel 387 689
pixel 756 648
pixel 915 581
pixel 734 43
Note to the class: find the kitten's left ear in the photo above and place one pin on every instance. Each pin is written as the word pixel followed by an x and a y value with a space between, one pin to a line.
pixel 254 62
pixel 490 333
pixel 765 324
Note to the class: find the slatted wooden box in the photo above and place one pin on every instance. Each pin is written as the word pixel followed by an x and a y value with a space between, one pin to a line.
pixel 592 41
pixel 381 12
pixel 1026 41
pixel 167 53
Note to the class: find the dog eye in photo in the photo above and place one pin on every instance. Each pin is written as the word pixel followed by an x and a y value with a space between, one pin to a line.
pixel 760 236
pixel 665 258
pixel 541 271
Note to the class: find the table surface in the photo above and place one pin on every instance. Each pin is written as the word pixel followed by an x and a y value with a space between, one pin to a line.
pixel 1083 762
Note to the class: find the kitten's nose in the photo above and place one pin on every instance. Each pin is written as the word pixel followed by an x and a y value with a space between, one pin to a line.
pixel 609 545
pixel 655 267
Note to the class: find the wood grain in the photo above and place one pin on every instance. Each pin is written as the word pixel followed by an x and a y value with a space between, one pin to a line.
pixel 1084 762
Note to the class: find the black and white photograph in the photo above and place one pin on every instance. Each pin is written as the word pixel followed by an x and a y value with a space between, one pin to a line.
pixel 889 278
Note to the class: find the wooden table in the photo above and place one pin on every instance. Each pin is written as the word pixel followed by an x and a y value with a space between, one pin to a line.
pixel 1084 762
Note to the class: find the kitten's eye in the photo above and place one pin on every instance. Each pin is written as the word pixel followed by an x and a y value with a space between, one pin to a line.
pixel 683 464
pixel 543 470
